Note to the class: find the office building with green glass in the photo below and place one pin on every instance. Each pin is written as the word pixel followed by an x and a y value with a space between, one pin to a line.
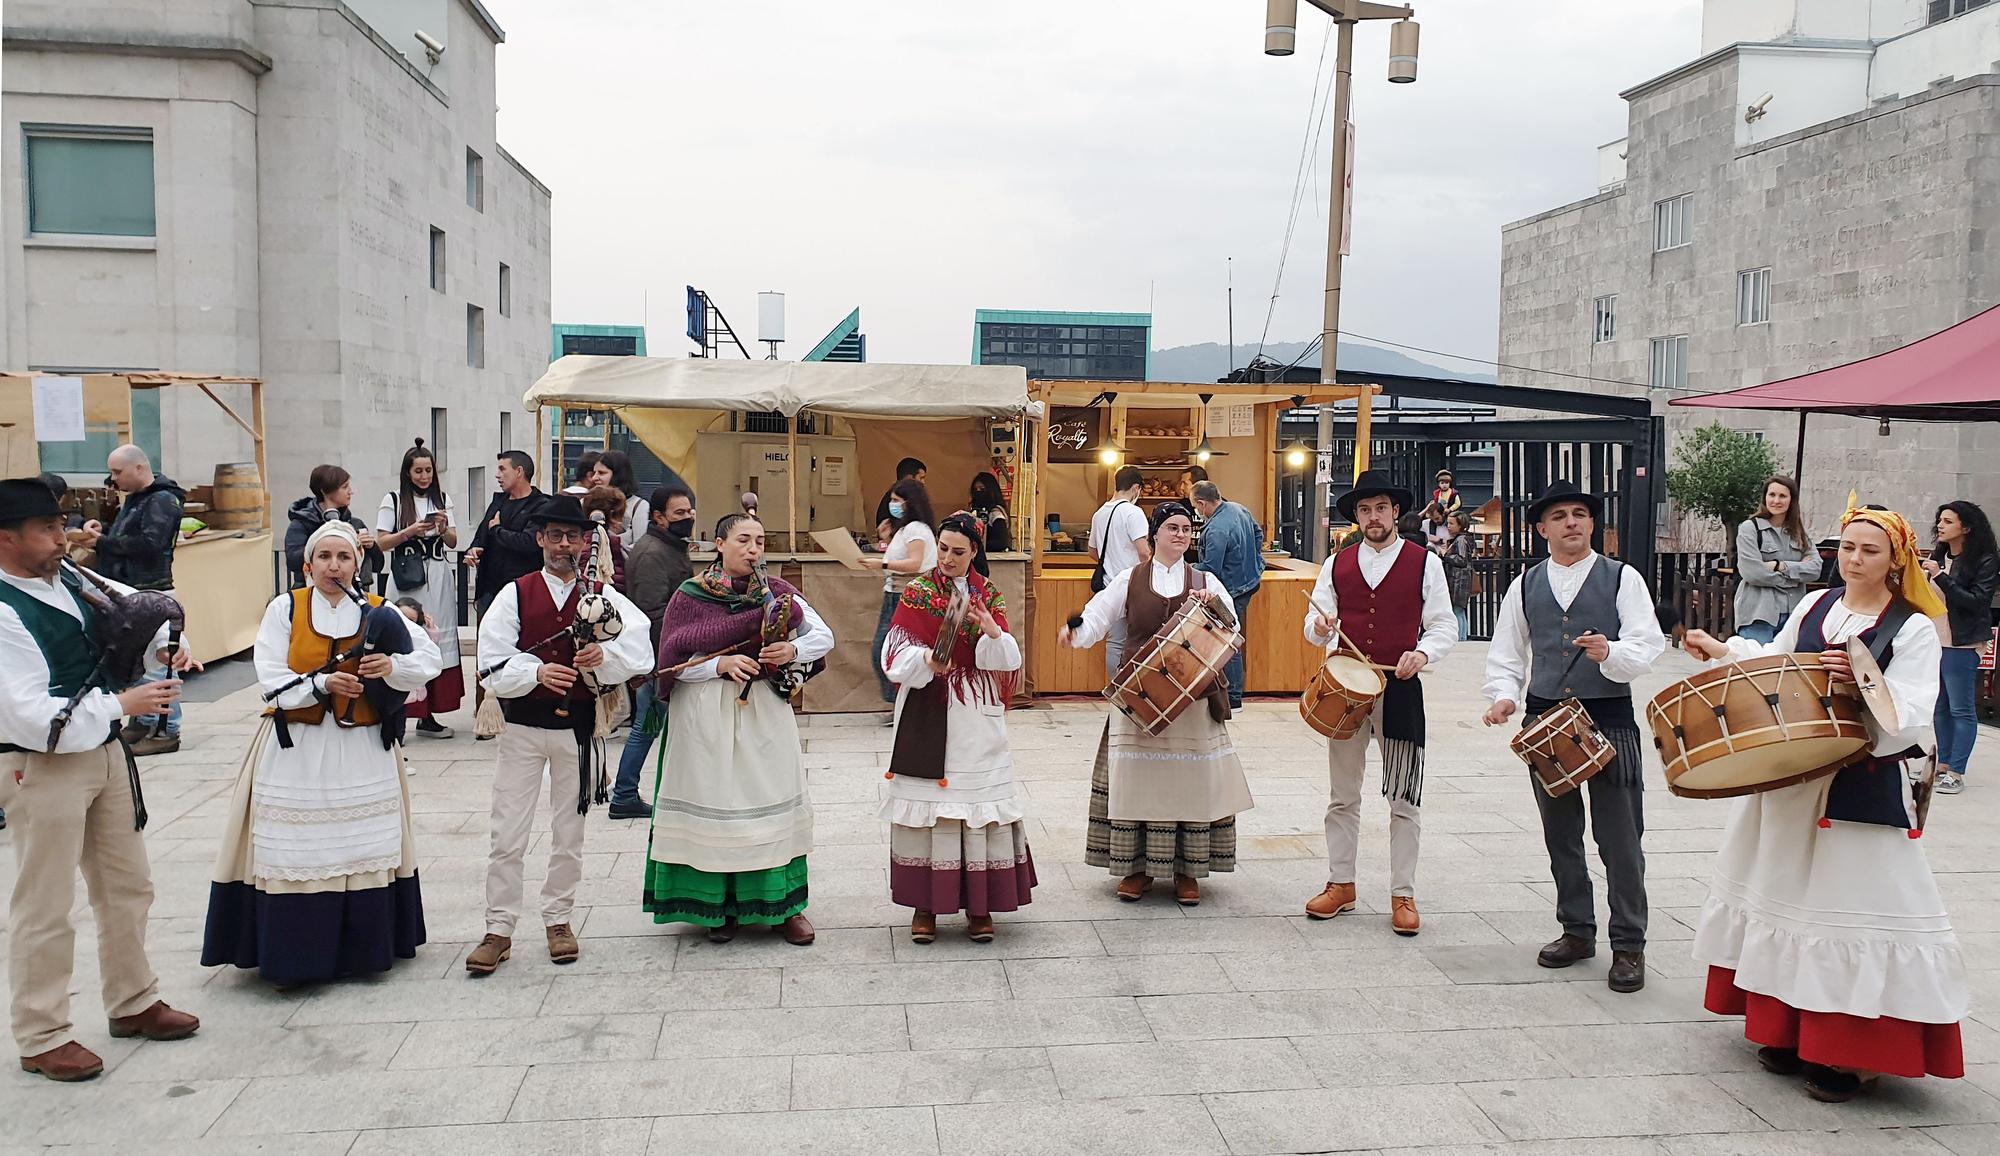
pixel 1089 346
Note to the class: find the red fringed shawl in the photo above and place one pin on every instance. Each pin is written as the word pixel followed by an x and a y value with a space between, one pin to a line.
pixel 922 727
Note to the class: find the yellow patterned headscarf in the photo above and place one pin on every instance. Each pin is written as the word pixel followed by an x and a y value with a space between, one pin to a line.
pixel 1905 556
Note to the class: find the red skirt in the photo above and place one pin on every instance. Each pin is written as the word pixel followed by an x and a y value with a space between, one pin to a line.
pixel 1892 1047
pixel 442 695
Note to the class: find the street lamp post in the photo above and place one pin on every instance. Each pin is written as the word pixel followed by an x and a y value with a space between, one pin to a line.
pixel 1280 36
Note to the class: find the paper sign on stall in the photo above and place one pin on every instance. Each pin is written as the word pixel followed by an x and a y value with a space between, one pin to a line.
pixel 59 409
pixel 1242 421
pixel 840 544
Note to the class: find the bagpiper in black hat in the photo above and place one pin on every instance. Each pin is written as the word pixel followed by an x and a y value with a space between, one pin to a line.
pixel 1563 490
pixel 562 510
pixel 24 498
pixel 1373 484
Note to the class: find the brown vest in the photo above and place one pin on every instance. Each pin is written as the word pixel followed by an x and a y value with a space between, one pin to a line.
pixel 1147 612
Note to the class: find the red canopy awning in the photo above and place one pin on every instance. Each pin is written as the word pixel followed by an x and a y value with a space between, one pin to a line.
pixel 1949 376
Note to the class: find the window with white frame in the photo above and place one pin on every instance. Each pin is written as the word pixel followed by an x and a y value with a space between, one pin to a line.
pixel 1753 296
pixel 1604 319
pixel 1670 362
pixel 1673 224
pixel 87 180
pixel 1946 9
pixel 475 337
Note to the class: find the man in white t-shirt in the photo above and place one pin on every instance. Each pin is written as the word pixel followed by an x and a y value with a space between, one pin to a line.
pixel 1119 539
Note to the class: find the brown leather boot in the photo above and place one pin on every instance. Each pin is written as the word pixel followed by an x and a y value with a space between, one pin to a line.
pixel 1187 892
pixel 562 944
pixel 1403 915
pixel 979 928
pixel 158 1022
pixel 1628 971
pixel 1132 887
pixel 66 1064
pixel 798 930
pixel 923 927
pixel 1335 900
pixel 1565 949
pixel 486 958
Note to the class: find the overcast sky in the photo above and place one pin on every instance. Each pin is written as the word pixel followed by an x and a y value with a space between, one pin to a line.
pixel 922 160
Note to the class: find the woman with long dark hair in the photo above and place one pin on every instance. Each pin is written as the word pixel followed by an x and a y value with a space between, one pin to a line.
pixel 1774 561
pixel 912 550
pixel 582 473
pixel 416 525
pixel 989 505
pixel 1966 568
pixel 614 469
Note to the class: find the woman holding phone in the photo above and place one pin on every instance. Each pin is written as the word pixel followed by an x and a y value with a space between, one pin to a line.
pixel 416 526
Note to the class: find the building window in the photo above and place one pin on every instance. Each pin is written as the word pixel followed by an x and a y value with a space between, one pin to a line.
pixel 506 290
pixel 1604 319
pixel 1946 9
pixel 1672 222
pixel 475 337
pixel 1670 362
pixel 475 181
pixel 1753 296
pixel 94 181
pixel 437 259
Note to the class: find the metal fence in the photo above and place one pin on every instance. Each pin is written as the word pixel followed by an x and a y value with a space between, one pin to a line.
pixel 1692 586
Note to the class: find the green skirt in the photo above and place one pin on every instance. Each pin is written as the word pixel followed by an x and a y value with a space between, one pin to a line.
pixel 677 893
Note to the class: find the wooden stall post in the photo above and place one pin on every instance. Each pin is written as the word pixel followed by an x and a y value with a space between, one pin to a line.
pixel 1364 412
pixel 792 480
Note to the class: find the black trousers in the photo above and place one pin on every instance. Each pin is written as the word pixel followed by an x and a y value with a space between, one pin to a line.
pixel 1618 824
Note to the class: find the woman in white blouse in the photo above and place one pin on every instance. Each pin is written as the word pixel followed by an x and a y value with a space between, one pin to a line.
pixel 1165 802
pixel 912 550
pixel 1824 927
pixel 416 526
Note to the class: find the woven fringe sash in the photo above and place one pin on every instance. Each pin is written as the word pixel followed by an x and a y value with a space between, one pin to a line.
pixel 1403 741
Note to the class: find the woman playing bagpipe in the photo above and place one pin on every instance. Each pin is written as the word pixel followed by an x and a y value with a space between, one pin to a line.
pixel 731 820
pixel 1824 927
pixel 956 840
pixel 317 875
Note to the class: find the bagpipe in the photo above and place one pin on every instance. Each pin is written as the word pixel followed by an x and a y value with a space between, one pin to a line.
pixel 775 626
pixel 384 630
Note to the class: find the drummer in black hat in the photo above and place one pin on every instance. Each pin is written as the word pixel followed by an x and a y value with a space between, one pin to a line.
pixel 1388 599
pixel 71 798
pixel 1581 626
pixel 550 717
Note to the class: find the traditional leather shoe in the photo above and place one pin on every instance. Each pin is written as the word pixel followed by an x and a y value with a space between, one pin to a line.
pixel 923 927
pixel 562 944
pixel 979 928
pixel 1132 887
pixel 486 958
pixel 724 933
pixel 1403 915
pixel 1565 949
pixel 1780 1061
pixel 1187 891
pixel 1833 1086
pixel 798 931
pixel 1337 898
pixel 158 1022
pixel 66 1064
pixel 1628 971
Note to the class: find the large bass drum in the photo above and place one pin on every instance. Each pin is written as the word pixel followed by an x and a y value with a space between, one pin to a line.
pixel 1756 725
pixel 1175 668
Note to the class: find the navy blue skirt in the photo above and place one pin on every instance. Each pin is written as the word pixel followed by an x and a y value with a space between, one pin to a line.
pixel 295 939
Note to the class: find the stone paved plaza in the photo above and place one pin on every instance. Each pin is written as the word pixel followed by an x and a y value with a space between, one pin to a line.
pixel 1088 1026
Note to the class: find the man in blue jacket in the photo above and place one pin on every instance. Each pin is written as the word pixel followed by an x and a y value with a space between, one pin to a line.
pixel 1232 549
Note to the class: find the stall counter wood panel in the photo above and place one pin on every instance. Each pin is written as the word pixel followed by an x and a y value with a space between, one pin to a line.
pixel 1278 659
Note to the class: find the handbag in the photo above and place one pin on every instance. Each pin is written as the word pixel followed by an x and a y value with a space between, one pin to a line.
pixel 409 566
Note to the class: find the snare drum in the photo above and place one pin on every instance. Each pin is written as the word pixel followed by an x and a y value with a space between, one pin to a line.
pixel 1174 668
pixel 1563 748
pixel 1342 694
pixel 1756 725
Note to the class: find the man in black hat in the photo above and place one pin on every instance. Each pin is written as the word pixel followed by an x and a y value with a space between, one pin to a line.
pixel 1580 626
pixel 1387 598
pixel 550 719
pixel 74 806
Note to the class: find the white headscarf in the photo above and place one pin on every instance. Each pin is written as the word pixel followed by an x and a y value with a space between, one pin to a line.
pixel 335 528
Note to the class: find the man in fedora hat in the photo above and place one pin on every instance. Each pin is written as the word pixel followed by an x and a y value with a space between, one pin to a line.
pixel 1387 598
pixel 550 719
pixel 72 798
pixel 1580 626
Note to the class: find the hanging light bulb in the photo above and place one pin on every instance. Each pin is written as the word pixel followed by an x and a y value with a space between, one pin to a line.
pixel 1297 454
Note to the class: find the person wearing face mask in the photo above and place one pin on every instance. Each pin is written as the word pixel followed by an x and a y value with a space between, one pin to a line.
pixel 654 568
pixel 912 550
pixel 417 523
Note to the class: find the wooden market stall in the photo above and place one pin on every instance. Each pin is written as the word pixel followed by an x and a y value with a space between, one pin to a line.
pixel 1091 429
pixel 222 575
pixel 818 443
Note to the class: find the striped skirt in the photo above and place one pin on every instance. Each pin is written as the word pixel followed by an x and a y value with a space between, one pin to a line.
pixel 1161 850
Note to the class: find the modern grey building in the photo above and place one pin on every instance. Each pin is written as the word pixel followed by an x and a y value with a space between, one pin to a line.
pixel 306 191
pixel 1090 346
pixel 1822 184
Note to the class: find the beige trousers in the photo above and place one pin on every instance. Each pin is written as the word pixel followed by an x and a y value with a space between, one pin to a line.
pixel 68 812
pixel 1346 760
pixel 517 785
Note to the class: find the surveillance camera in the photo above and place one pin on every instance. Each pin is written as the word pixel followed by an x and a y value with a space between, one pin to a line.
pixel 433 47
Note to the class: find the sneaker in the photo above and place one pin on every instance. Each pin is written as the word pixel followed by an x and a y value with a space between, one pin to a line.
pixel 1950 783
pixel 636 809
pixel 433 729
pixel 156 745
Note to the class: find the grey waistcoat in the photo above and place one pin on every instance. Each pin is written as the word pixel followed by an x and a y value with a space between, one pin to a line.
pixel 1552 632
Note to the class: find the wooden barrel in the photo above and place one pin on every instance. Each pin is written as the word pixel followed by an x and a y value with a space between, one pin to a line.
pixel 239 498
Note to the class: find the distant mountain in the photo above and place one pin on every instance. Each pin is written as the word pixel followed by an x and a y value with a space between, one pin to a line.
pixel 1210 360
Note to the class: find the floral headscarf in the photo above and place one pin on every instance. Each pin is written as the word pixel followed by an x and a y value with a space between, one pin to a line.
pixel 1905 557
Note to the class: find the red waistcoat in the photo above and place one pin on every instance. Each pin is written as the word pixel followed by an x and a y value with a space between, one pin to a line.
pixel 1386 620
pixel 540 618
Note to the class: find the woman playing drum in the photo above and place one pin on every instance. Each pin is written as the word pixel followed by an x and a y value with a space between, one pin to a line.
pixel 1824 926
pixel 1167 802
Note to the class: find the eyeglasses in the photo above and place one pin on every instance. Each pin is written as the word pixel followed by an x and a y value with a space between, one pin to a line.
pixel 554 535
pixel 1176 528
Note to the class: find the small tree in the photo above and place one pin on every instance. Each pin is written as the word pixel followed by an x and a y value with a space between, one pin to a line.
pixel 1719 474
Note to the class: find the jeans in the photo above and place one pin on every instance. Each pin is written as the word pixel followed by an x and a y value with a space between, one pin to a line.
pixel 173 719
pixel 625 790
pixel 889 600
pixel 1464 622
pixel 1233 671
pixel 1957 717
pixel 1758 631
